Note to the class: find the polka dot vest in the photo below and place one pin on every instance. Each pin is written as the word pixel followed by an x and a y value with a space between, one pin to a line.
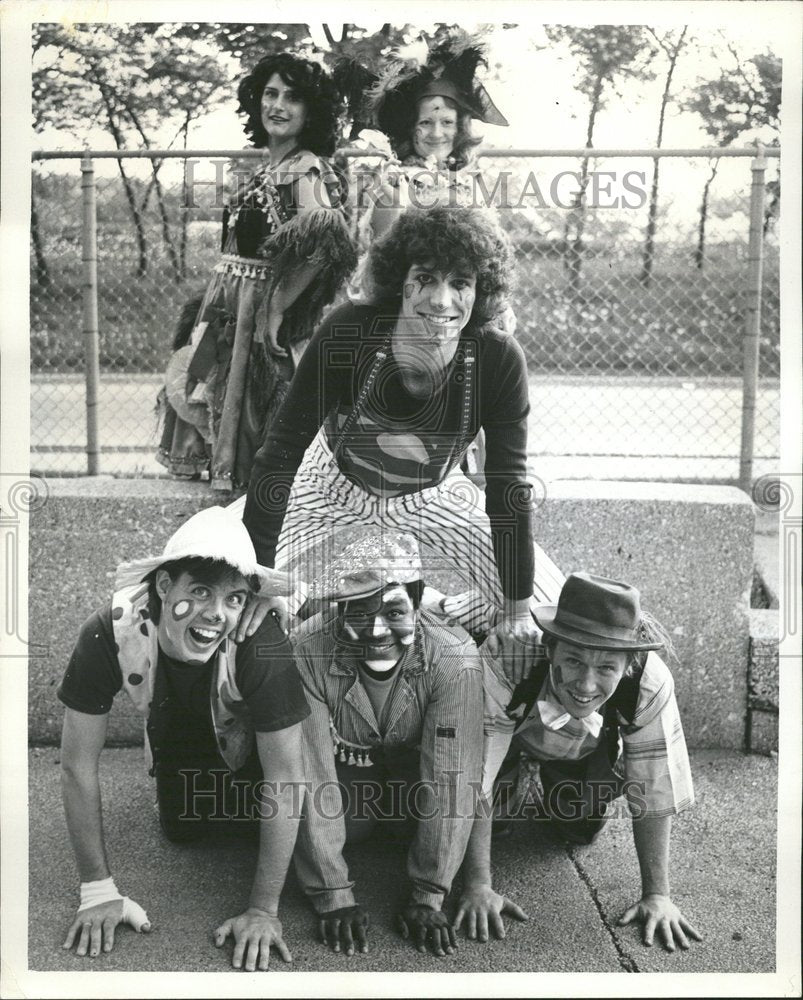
pixel 136 639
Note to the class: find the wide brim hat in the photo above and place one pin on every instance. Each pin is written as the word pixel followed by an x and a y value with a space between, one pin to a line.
pixel 213 533
pixel 370 564
pixel 595 613
pixel 176 375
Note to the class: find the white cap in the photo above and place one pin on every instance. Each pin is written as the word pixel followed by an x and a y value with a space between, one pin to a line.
pixel 213 533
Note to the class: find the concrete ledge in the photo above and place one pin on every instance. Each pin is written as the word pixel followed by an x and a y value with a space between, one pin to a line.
pixel 763 682
pixel 689 549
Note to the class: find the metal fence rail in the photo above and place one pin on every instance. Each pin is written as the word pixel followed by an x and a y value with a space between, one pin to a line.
pixel 653 346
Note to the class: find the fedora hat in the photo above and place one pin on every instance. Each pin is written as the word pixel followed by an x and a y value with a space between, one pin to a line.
pixel 373 562
pixel 213 533
pixel 595 613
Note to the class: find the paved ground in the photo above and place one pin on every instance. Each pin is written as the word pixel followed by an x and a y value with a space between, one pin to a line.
pixel 723 877
pixel 581 427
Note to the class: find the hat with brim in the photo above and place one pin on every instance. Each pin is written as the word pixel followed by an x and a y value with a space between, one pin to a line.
pixel 213 533
pixel 595 613
pixel 370 564
pixel 176 375
pixel 478 104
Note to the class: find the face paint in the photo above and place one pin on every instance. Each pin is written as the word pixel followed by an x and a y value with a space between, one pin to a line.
pixel 181 609
pixel 434 313
pixel 380 626
pixel 197 616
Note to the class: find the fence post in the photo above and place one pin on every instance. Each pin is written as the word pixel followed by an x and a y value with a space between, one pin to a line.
pixel 752 324
pixel 89 298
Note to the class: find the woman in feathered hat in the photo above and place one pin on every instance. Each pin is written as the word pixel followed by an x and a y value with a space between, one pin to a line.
pixel 424 102
pixel 286 250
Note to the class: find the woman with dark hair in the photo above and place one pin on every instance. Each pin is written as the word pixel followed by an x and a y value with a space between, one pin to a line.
pixel 395 391
pixel 285 251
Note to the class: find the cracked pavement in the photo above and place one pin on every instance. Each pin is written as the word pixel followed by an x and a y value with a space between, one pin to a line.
pixel 723 878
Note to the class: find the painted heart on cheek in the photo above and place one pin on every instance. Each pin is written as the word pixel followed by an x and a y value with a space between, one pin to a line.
pixel 182 609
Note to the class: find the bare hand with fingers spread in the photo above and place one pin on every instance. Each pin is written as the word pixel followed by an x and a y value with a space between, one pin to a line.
pixel 658 913
pixel 255 932
pixel 481 909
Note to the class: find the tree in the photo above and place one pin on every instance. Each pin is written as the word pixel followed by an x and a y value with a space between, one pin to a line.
pixel 607 55
pixel 745 100
pixel 671 44
pixel 132 80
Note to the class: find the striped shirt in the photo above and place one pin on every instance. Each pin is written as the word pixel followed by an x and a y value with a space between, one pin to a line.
pixel 331 376
pixel 656 762
pixel 436 706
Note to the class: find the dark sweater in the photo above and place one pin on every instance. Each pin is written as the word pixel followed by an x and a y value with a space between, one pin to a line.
pixel 329 377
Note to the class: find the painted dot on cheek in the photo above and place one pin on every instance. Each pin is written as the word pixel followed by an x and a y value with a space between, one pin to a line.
pixel 181 609
pixel 409 288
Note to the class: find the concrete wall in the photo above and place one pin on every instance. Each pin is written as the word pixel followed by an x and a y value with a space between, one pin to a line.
pixel 688 549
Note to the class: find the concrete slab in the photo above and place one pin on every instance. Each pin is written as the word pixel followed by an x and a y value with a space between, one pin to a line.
pixel 722 873
pixel 189 890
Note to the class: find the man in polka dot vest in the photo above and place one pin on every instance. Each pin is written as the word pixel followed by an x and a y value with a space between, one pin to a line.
pixel 216 712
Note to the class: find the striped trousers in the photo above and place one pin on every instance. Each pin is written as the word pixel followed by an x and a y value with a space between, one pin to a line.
pixel 326 511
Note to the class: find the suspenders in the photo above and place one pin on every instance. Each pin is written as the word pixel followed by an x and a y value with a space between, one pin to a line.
pixel 380 358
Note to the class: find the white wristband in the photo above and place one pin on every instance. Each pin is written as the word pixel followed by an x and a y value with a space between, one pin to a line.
pixel 102 891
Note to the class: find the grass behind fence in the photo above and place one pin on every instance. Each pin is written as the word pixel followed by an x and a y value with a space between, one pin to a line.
pixel 688 322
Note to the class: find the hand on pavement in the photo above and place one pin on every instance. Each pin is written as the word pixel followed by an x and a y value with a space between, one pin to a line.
pixel 93 928
pixel 657 912
pixel 345 929
pixel 480 907
pixel 254 933
pixel 427 927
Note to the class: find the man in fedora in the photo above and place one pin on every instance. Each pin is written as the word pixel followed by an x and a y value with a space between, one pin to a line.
pixel 597 684
pixel 216 713
pixel 394 737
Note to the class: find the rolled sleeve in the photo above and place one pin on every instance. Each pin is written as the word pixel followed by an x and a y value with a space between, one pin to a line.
pixel 498 728
pixel 656 761
pixel 451 758
pixel 320 865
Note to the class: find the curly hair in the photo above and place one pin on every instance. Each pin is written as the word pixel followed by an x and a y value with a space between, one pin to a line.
pixel 464 140
pixel 311 83
pixel 454 238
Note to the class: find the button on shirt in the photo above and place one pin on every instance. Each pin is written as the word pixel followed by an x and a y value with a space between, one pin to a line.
pixel 656 762
pixel 436 704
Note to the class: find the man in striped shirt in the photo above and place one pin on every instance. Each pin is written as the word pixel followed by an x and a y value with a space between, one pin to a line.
pixel 597 684
pixel 394 736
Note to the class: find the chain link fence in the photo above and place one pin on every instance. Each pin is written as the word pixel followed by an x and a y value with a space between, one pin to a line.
pixel 633 319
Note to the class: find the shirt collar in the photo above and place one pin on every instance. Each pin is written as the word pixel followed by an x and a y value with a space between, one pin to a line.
pixel 554 716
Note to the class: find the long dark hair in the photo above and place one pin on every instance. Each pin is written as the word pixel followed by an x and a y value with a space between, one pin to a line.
pixel 311 83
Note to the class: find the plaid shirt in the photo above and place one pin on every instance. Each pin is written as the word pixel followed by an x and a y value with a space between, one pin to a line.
pixel 656 763
pixel 437 706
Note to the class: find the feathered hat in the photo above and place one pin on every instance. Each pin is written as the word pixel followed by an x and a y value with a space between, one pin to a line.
pixel 448 69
